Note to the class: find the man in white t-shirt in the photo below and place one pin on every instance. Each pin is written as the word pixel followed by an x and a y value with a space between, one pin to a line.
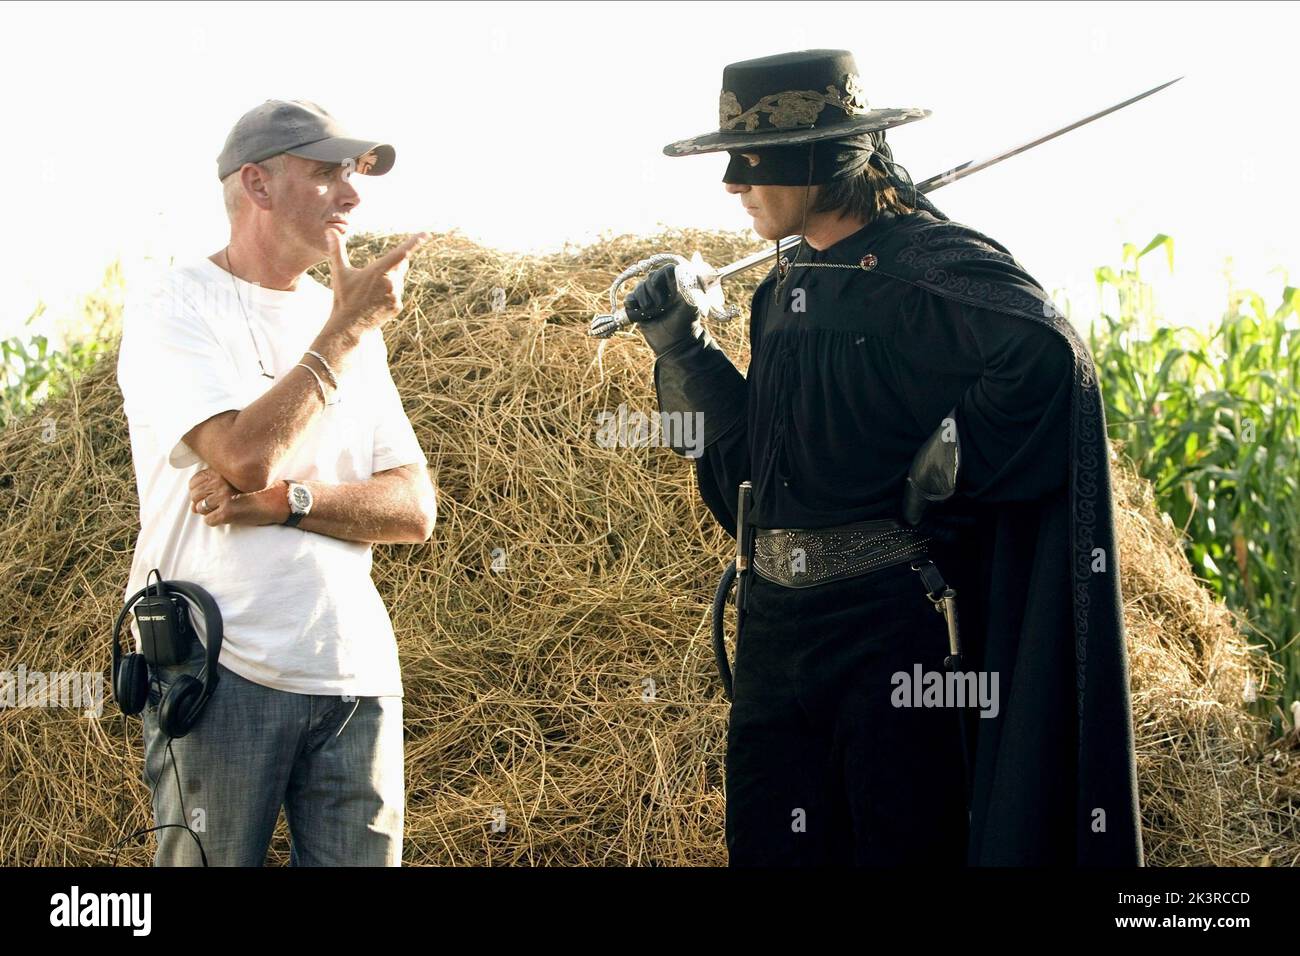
pixel 271 450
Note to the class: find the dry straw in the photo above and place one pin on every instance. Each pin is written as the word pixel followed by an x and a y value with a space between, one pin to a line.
pixel 562 706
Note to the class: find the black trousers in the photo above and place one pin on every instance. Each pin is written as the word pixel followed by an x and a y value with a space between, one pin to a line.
pixel 822 767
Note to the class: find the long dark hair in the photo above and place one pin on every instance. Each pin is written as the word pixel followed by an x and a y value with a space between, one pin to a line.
pixel 863 195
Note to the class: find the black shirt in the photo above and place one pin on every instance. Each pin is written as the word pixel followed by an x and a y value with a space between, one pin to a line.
pixel 851 370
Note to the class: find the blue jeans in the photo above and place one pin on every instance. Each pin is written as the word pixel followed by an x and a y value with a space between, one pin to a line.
pixel 336 766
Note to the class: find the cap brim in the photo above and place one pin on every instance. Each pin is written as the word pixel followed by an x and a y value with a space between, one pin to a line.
pixel 338 149
pixel 717 142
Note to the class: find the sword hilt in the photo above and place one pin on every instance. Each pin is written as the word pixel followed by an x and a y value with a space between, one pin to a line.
pixel 697 283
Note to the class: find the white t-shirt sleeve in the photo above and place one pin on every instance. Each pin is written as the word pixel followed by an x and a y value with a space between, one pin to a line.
pixel 173 372
pixel 395 442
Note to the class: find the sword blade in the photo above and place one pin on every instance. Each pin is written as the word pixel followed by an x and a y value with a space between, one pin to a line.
pixel 740 265
pixel 969 168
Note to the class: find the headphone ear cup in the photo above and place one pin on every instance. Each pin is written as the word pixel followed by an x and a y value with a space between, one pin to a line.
pixel 179 710
pixel 131 684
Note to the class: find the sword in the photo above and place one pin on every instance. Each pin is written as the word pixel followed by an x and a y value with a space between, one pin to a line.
pixel 700 283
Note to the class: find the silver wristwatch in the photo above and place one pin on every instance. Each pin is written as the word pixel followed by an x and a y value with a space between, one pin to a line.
pixel 300 502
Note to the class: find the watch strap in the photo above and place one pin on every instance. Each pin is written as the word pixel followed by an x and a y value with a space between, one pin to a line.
pixel 295 517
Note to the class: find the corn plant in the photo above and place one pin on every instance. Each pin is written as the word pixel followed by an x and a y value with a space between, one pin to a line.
pixel 31 372
pixel 1211 419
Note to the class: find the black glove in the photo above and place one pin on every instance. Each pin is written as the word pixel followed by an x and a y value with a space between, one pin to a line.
pixel 664 317
pixel 692 374
pixel 933 475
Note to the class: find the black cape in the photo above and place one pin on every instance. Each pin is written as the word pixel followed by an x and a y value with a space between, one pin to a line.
pixel 845 386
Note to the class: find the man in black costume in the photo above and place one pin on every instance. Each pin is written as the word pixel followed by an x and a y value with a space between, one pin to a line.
pixel 917 417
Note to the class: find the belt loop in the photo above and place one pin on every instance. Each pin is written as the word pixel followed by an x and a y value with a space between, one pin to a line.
pixel 931 578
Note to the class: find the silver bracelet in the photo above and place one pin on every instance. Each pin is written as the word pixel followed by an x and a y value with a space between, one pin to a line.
pixel 319 383
pixel 329 372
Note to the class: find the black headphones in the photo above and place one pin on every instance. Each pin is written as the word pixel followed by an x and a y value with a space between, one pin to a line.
pixel 166 633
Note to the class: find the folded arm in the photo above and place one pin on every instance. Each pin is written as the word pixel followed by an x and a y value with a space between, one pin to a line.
pixel 396 506
pixel 248 446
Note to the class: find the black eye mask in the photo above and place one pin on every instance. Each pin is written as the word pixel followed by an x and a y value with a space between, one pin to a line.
pixel 788 165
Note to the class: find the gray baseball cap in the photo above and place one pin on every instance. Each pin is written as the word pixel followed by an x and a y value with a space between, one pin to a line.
pixel 300 128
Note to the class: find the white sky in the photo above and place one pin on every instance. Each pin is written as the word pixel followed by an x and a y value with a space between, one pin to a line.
pixel 527 124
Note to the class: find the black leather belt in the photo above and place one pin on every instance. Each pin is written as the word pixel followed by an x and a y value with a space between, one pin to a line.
pixel 804 558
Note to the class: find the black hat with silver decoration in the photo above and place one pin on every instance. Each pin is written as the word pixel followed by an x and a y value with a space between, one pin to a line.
pixel 792 98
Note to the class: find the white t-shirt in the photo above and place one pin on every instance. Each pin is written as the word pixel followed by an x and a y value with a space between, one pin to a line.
pixel 300 612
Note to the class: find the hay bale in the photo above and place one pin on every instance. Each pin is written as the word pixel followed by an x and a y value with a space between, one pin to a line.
pixel 568 690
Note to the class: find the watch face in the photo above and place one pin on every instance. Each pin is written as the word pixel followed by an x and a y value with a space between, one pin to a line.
pixel 301 498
